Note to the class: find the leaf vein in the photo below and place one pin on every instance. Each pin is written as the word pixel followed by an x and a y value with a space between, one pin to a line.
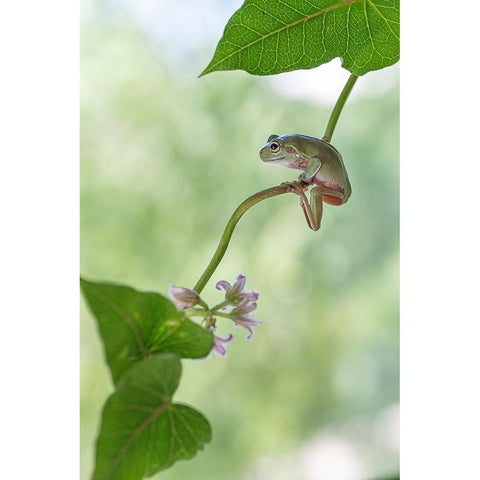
pixel 126 317
pixel 387 22
pixel 135 434
pixel 286 26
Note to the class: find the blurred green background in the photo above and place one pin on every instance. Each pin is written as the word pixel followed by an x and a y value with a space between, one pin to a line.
pixel 165 159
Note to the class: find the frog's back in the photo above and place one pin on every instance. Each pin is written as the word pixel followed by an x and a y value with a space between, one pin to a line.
pixel 310 146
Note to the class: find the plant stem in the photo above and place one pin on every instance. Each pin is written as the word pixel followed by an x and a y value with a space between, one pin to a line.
pixel 332 122
pixel 269 192
pixel 194 312
pixel 227 233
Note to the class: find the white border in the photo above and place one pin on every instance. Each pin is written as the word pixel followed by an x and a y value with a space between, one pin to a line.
pixel 39 144
pixel 440 318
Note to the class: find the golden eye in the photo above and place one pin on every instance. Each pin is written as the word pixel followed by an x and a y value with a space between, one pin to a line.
pixel 274 147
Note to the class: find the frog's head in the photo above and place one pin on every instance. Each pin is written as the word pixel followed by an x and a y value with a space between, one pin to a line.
pixel 277 150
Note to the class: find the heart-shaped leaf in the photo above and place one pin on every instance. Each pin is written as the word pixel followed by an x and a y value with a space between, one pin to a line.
pixel 142 430
pixel 135 324
pixel 265 37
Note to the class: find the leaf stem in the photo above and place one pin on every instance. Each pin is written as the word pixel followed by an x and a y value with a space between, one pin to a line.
pixel 332 122
pixel 229 228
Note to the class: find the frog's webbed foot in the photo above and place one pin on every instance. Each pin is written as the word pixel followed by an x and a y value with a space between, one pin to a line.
pixel 297 186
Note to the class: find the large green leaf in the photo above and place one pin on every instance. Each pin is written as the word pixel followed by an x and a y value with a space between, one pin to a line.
pixel 142 430
pixel 135 324
pixel 266 37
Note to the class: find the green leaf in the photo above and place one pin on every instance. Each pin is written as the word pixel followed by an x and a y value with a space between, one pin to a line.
pixel 265 37
pixel 135 324
pixel 142 430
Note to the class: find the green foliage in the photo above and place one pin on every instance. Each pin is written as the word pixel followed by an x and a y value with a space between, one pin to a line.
pixel 135 324
pixel 265 37
pixel 152 161
pixel 142 430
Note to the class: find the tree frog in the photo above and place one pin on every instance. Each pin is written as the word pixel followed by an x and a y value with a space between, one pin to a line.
pixel 322 166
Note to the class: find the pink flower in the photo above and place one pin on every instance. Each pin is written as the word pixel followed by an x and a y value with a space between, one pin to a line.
pixel 182 297
pixel 218 346
pixel 241 316
pixel 243 303
pixel 234 293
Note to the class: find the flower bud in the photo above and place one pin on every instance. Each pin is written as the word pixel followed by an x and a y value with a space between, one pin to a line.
pixel 182 297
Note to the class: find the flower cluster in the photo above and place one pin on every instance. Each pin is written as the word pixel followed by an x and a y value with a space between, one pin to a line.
pixel 237 306
pixel 243 303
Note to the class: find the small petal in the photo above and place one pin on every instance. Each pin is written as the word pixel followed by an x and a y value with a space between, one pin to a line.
pixel 219 342
pixel 223 285
pixel 237 288
pixel 249 297
pixel 243 308
pixel 250 330
pixel 182 297
pixel 246 321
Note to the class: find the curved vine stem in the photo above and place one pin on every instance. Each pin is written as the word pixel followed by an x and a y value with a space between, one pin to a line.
pixel 227 233
pixel 332 122
pixel 269 192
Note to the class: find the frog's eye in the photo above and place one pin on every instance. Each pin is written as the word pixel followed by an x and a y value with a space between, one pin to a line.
pixel 274 147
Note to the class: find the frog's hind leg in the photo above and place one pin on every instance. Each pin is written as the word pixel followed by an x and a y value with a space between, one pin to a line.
pixel 331 195
pixel 312 210
pixel 331 200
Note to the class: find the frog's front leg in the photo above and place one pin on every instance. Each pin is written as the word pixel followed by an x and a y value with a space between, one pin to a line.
pixel 313 166
pixel 312 210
